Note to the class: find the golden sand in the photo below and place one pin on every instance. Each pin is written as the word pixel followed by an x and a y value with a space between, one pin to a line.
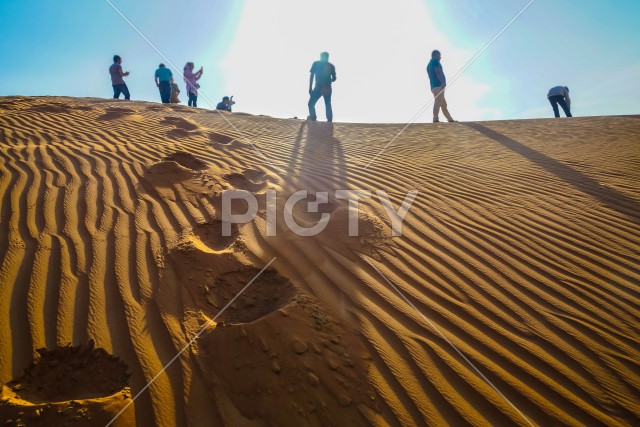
pixel 521 249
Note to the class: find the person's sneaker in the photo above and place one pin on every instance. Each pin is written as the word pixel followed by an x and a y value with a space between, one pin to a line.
pixel 436 120
pixel 453 121
pixel 311 119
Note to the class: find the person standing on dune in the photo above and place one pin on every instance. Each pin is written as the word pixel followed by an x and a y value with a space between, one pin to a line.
pixel 163 79
pixel 559 95
pixel 438 83
pixel 191 79
pixel 325 74
pixel 117 81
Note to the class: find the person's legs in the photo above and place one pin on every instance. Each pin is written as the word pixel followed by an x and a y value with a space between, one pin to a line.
pixel 565 107
pixel 125 91
pixel 326 93
pixel 443 106
pixel 193 100
pixel 165 92
pixel 313 99
pixel 437 100
pixel 116 91
pixel 554 104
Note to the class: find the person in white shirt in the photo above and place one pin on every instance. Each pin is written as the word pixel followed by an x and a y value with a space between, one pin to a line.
pixel 559 95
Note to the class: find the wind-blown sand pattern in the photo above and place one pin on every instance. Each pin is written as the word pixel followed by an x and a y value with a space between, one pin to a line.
pixel 522 248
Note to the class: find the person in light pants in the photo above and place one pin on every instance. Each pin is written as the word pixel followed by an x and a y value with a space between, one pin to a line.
pixel 438 84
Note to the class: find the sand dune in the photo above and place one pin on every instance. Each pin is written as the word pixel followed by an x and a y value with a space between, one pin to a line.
pixel 521 248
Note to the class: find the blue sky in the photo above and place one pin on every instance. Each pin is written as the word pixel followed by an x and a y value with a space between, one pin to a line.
pixel 260 51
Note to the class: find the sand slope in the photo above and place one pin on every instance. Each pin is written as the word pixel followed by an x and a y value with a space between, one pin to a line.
pixel 522 249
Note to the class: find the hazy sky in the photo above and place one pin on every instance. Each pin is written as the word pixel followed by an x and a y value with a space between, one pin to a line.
pixel 261 50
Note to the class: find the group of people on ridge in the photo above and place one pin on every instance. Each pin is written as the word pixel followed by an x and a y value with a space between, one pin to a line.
pixel 168 88
pixel 323 73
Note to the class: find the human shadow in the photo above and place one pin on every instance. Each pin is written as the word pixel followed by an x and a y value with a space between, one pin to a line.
pixel 613 199
pixel 319 154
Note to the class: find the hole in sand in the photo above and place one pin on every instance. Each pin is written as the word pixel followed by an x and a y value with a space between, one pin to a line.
pixel 180 123
pixel 210 234
pixel 187 160
pixel 220 138
pixel 268 293
pixel 67 373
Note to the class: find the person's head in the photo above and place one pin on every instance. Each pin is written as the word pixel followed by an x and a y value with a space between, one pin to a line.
pixel 324 56
pixel 161 66
pixel 436 54
pixel 225 99
pixel 189 66
pixel 117 59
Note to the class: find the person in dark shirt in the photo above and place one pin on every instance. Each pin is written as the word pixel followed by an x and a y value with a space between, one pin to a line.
pixel 438 83
pixel 324 73
pixel 226 104
pixel 559 95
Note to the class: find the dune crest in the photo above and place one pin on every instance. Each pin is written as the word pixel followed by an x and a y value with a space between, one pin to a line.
pixel 521 247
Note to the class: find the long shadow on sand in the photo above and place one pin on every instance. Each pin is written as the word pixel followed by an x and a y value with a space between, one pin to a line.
pixel 610 197
pixel 320 151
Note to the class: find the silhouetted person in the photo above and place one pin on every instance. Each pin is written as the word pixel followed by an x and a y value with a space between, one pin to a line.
pixel 325 74
pixel 560 95
pixel 163 79
pixel 226 104
pixel 438 83
pixel 117 81
pixel 191 79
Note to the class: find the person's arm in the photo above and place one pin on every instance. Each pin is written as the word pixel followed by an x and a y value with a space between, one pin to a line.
pixel 157 81
pixel 440 76
pixel 567 99
pixel 311 83
pixel 333 74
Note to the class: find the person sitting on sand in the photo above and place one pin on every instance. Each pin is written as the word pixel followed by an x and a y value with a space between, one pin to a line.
pixel 175 91
pixel 117 81
pixel 560 95
pixel 163 79
pixel 438 83
pixel 191 79
pixel 325 74
pixel 226 104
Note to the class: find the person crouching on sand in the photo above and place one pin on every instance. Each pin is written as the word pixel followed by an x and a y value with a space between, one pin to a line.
pixel 163 79
pixel 175 91
pixel 117 81
pixel 559 95
pixel 191 79
pixel 226 104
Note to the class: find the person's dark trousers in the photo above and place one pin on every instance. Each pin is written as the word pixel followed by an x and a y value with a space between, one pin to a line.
pixel 165 91
pixel 118 89
pixel 193 100
pixel 316 94
pixel 559 99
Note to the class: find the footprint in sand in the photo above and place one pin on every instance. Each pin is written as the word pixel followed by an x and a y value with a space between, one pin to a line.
pixel 52 108
pixel 181 127
pixel 187 160
pixel 116 113
pixel 250 180
pixel 67 383
pixel 221 138
pixel 268 293
pixel 210 234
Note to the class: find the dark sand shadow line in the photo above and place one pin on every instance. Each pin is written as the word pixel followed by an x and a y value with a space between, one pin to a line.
pixel 613 199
